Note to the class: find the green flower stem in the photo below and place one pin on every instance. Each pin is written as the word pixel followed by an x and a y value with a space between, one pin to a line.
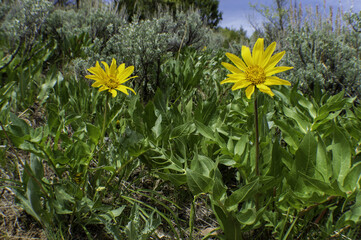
pixel 256 143
pixel 256 133
pixel 105 119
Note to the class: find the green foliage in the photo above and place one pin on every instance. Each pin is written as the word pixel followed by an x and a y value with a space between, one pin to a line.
pixel 324 58
pixel 208 9
pixel 92 162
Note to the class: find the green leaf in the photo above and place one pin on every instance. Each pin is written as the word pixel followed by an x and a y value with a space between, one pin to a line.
pixel 341 154
pixel 352 216
pixel 202 164
pixel 118 211
pixel 305 157
pixel 323 162
pixel 240 195
pixel 18 126
pixel 247 216
pixel 352 179
pixel 229 224
pixel 160 101
pixel 149 115
pixel 49 83
pixel 27 205
pixel 205 130
pixel 219 189
pixel 302 122
pixel 289 132
pixel 197 182
pixel 93 133
pixel 317 184
pixel 334 103
pixel 276 161
pixel 182 130
pixel 241 145
pixel 177 179
pixel 157 129
pixel 37 166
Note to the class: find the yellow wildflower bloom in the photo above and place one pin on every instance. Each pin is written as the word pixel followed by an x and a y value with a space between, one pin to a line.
pixel 112 78
pixel 256 69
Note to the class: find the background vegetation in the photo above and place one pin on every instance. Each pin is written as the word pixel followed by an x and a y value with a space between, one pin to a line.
pixel 176 161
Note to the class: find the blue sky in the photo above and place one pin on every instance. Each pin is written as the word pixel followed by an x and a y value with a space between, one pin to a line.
pixel 237 13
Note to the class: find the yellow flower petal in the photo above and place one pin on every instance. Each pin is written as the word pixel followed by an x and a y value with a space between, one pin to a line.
pixel 124 74
pixel 273 80
pixel 246 55
pixel 241 84
pixel 113 92
pixel 125 80
pixel 231 68
pixel 267 54
pixel 97 84
pixel 124 89
pixel 265 89
pixel 113 67
pixel 233 79
pixel 112 78
pixel 277 70
pixel 255 69
pixel 106 66
pixel 121 67
pixel 97 70
pixel 237 61
pixel 103 88
pixel 274 60
pixel 249 91
pixel 257 52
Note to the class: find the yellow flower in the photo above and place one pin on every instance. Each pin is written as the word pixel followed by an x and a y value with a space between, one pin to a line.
pixel 256 69
pixel 112 78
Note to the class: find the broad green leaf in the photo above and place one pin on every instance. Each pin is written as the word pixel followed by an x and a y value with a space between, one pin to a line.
pixel 205 130
pixel 157 129
pixel 197 182
pixel 93 132
pixel 240 195
pixel 182 130
pixel 219 189
pixel 116 212
pixel 276 161
pixel 202 164
pixel 27 205
pixel 176 179
pixel 247 216
pixel 334 103
pixel 305 157
pixel 231 227
pixel 149 115
pixel 241 145
pixel 317 184
pixel 341 154
pixel 323 163
pixel 47 85
pixel 36 166
pixel 302 122
pixel 352 179
pixel 160 101
pixel 290 133
pixel 352 216
pixel 189 110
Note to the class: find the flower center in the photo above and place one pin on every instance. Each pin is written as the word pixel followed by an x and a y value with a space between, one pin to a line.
pixel 256 75
pixel 112 82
